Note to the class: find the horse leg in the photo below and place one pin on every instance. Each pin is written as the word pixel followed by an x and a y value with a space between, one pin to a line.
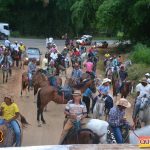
pixel 38 117
pixel 6 76
pixel 3 76
pixel 42 118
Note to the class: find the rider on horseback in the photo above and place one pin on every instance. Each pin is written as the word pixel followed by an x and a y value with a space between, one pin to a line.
pixel 123 76
pixel 75 111
pixel 89 68
pixel 45 64
pixel 117 118
pixel 104 90
pixel 10 112
pixel 51 70
pixel 142 89
pixel 31 70
pixel 76 74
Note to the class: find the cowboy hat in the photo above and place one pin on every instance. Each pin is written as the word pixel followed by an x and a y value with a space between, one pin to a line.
pixel 123 102
pixel 76 93
pixel 106 80
pixel 147 74
pixel 143 80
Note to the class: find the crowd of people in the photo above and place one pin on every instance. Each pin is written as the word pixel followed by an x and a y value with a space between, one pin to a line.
pixel 78 108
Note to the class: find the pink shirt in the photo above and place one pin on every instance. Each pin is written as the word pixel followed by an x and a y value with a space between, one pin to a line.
pixel 89 66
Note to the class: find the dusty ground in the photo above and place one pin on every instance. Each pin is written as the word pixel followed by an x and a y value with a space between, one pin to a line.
pixel 33 135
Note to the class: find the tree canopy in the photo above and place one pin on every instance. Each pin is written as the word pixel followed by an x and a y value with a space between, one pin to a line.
pixel 56 17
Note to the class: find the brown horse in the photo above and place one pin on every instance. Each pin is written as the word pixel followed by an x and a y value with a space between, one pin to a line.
pixel 25 83
pixel 40 80
pixel 45 95
pixel 126 89
pixel 83 85
pixel 82 136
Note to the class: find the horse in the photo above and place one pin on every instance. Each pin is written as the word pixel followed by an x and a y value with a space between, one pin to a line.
pixel 144 113
pixel 126 89
pixel 98 110
pixel 7 138
pixel 81 136
pixel 6 66
pixel 45 95
pixel 127 64
pixel 25 83
pixel 16 57
pixel 83 85
pixel 102 106
pixel 115 81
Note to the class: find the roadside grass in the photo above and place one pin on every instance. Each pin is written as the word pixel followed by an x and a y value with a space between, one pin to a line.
pixel 141 54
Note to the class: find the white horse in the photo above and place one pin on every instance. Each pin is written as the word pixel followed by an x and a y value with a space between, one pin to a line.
pixel 127 63
pixel 98 110
pixel 144 113
pixel 133 136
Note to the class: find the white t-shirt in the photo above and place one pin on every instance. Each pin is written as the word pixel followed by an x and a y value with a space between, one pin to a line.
pixel 143 89
pixel 54 56
pixel 7 43
pixel 44 63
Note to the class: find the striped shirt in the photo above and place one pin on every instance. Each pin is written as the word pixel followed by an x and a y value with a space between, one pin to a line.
pixel 75 109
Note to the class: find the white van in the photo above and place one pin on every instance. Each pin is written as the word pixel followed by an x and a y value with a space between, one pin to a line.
pixel 4 30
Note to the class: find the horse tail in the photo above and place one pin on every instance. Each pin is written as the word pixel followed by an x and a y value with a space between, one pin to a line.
pixel 39 99
pixel 23 83
pixel 23 119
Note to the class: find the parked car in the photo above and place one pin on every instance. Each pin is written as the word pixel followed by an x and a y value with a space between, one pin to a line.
pixel 101 44
pixel 32 52
pixel 85 40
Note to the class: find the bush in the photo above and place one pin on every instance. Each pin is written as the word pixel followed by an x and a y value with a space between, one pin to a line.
pixel 15 34
pixel 141 54
pixel 136 71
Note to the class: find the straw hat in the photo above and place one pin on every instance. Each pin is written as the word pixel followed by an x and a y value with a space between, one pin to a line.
pixel 123 102
pixel 76 93
pixel 147 74
pixel 106 80
pixel 143 80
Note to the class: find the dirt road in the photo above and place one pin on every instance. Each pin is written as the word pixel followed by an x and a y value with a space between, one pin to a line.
pixel 33 135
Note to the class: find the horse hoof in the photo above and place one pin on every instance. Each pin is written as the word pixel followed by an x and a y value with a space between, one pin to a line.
pixel 39 125
pixel 44 122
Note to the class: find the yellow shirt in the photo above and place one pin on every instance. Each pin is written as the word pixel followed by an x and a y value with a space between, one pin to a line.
pixel 9 110
pixel 22 48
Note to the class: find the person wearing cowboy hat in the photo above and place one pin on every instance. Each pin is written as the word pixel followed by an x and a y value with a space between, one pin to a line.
pixel 147 76
pixel 10 112
pixel 105 87
pixel 123 77
pixel 75 110
pixel 76 73
pixel 142 89
pixel 116 118
pixel 31 70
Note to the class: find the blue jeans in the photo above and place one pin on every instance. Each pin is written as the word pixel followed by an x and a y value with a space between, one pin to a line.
pixel 16 129
pixel 118 134
pixel 30 78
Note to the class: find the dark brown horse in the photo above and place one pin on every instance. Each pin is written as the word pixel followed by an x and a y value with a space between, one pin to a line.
pixel 82 136
pixel 126 89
